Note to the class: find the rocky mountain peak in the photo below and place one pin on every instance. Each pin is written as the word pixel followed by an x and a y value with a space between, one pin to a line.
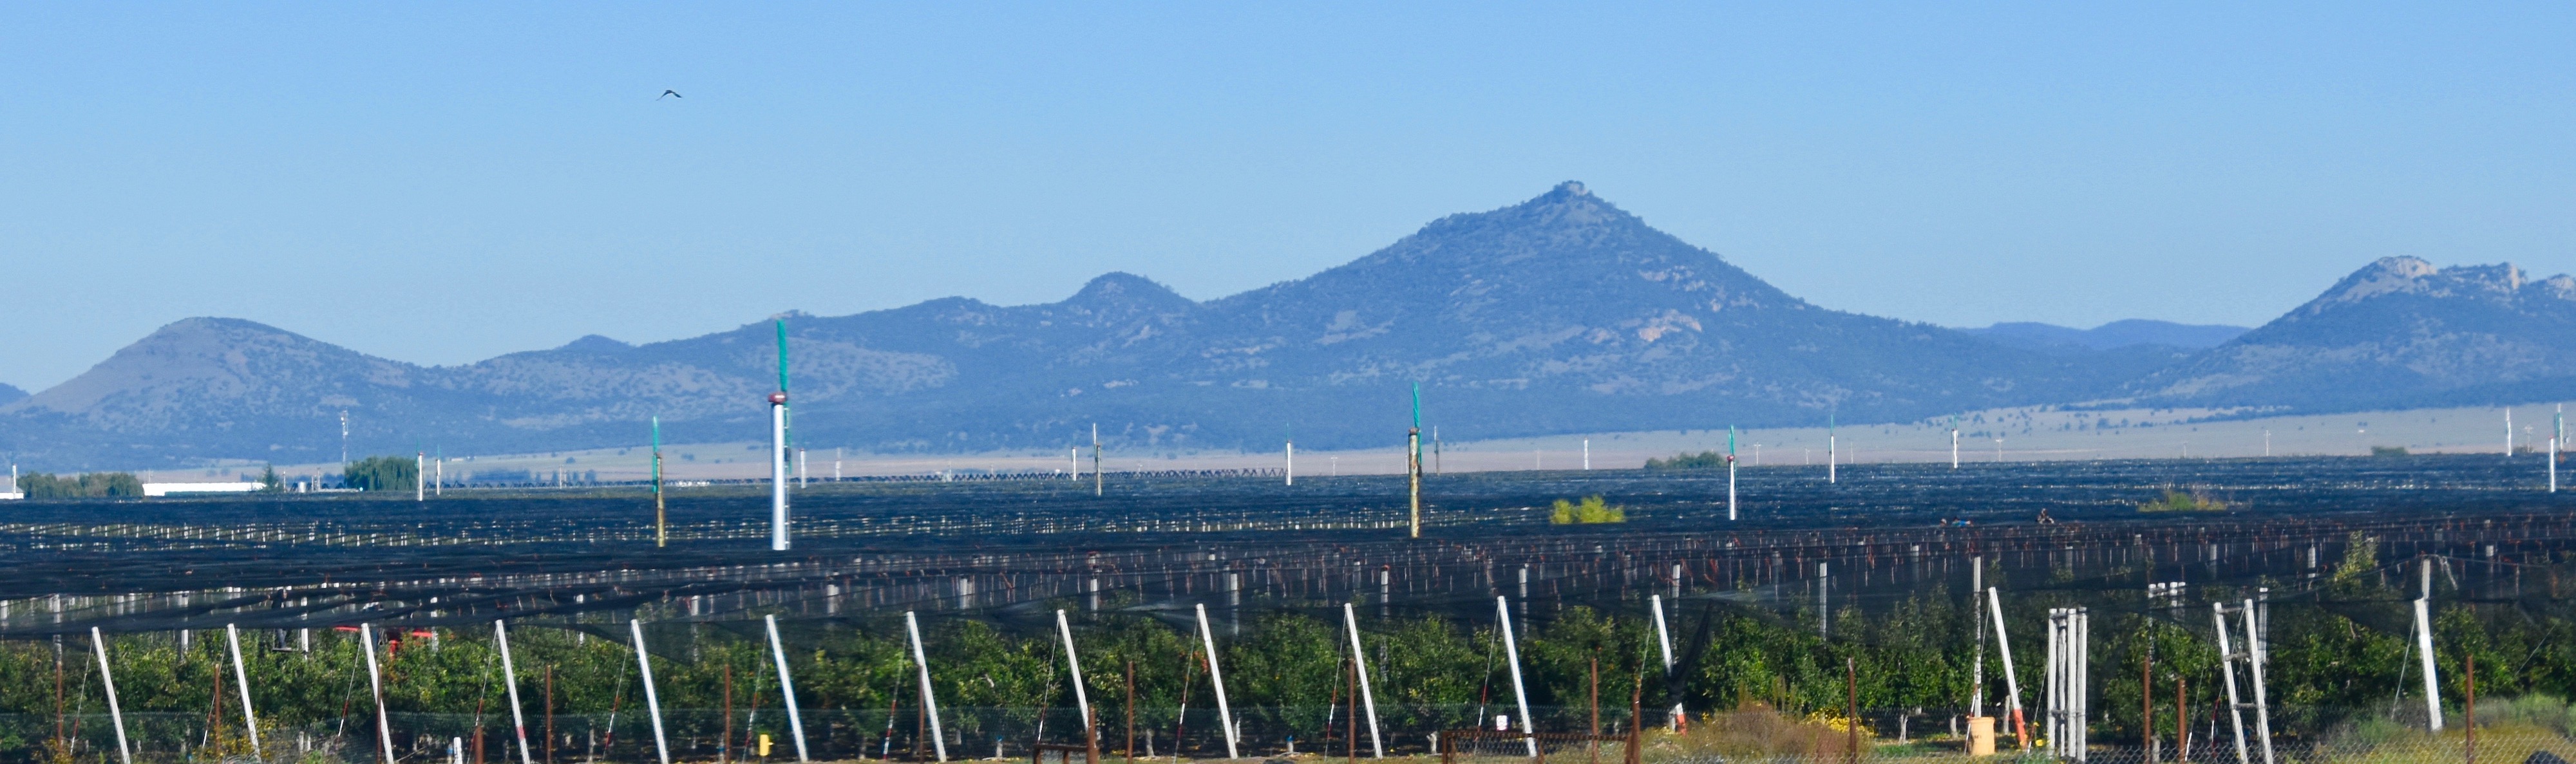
pixel 1123 287
pixel 2414 276
pixel 592 343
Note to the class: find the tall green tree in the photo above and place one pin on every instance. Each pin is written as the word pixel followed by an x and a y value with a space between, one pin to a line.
pixel 382 473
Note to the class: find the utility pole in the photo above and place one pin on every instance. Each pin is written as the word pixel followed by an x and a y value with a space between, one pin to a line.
pixel 661 527
pixel 778 450
pixel 1730 477
pixel 1833 450
pixel 1413 459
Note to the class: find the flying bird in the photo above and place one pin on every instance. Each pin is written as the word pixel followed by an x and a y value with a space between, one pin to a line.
pixel 668 93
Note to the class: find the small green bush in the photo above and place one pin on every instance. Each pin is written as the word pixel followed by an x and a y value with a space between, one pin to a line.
pixel 2387 450
pixel 1689 461
pixel 2178 501
pixel 1591 510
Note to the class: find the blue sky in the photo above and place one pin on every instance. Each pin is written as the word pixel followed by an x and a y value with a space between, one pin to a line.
pixel 440 183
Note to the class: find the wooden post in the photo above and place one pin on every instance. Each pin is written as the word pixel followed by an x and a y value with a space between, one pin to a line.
pixel 2182 720
pixel 1131 711
pixel 1851 694
pixel 550 713
pixel 2147 708
pixel 1636 718
pixel 2470 683
pixel 1593 692
pixel 725 744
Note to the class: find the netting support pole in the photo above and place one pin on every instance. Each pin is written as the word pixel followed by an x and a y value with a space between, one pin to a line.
pixel 2424 649
pixel 124 751
pixel 929 699
pixel 376 686
pixel 1520 694
pixel 1216 676
pixel 787 688
pixel 2012 684
pixel 652 699
pixel 241 678
pixel 2255 654
pixel 1664 639
pixel 1359 659
pixel 510 677
pixel 2227 670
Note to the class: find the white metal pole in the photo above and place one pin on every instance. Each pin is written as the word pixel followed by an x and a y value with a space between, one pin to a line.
pixel 1520 694
pixel 1587 454
pixel 1977 675
pixel 2227 670
pixel 1664 639
pixel 1954 448
pixel 2003 644
pixel 1824 600
pixel 241 678
pixel 2255 653
pixel 376 687
pixel 124 751
pixel 2083 681
pixel 1833 451
pixel 1368 697
pixel 1730 487
pixel 510 676
pixel 2424 647
pixel 929 700
pixel 778 472
pixel 787 687
pixel 652 699
pixel 1291 472
pixel 1216 676
pixel 418 460
pixel 1073 662
pixel 2052 707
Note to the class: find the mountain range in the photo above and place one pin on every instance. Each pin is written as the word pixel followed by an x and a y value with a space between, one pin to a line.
pixel 1559 314
pixel 2111 336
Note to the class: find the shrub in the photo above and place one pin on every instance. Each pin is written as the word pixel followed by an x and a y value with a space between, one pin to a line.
pixel 2178 501
pixel 38 485
pixel 1688 461
pixel 1591 510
